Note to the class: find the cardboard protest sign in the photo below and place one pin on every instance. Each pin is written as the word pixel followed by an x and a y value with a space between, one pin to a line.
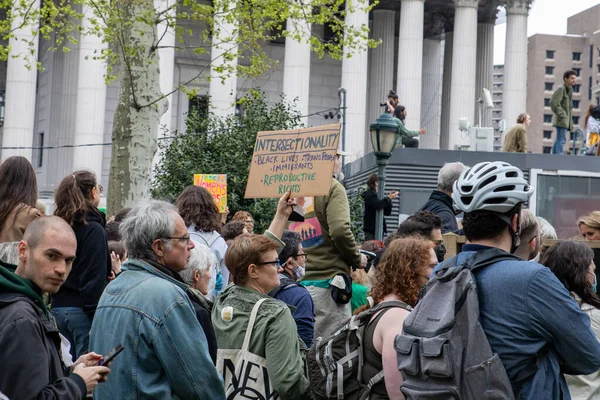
pixel 216 185
pixel 299 160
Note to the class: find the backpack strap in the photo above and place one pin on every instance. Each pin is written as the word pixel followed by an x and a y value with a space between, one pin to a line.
pixel 485 258
pixel 284 283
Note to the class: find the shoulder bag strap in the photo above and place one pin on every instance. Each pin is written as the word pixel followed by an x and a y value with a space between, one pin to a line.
pixel 251 324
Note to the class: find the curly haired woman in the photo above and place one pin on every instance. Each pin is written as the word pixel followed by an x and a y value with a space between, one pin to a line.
pixel 403 270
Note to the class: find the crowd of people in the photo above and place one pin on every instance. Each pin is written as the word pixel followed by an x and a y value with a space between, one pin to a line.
pixel 202 308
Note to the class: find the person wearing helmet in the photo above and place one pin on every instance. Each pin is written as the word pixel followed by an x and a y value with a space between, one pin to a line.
pixel 529 318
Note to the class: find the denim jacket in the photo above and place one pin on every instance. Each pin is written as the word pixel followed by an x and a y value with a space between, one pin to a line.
pixel 166 353
pixel 530 318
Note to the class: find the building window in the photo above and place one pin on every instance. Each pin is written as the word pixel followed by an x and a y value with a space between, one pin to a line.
pixel 577 71
pixel 198 105
pixel 548 86
pixel 549 70
pixel 598 68
pixel 576 103
pixel 547 134
pixel 576 88
pixel 546 102
pixel 575 120
pixel 547 118
pixel 590 88
pixel 277 36
pixel 576 56
pixel 550 54
pixel 547 149
pixel 40 151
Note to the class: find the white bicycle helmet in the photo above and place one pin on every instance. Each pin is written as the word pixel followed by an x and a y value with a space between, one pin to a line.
pixel 491 186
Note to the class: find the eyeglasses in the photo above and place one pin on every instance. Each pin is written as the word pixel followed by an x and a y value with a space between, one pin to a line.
pixel 276 262
pixel 100 188
pixel 438 242
pixel 184 238
pixel 303 255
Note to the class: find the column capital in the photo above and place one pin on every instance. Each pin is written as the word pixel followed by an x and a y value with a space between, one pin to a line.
pixel 488 13
pixel 434 24
pixel 466 3
pixel 520 7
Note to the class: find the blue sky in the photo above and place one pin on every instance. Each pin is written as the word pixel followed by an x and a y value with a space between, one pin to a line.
pixel 547 17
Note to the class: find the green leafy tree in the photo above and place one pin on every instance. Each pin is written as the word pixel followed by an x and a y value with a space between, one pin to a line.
pixel 224 146
pixel 130 32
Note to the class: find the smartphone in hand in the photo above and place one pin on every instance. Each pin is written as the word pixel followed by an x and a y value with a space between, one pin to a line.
pixel 111 355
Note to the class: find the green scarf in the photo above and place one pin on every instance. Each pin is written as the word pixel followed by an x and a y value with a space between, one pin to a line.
pixel 13 283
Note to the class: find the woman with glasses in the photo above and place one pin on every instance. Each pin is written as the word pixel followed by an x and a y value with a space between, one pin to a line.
pixel 293 260
pixel 77 199
pixel 573 264
pixel 272 334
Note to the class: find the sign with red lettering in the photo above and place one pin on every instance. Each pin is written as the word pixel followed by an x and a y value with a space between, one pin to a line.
pixel 216 185
pixel 299 161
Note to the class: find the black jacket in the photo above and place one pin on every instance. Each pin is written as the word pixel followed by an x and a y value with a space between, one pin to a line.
pixel 30 353
pixel 440 204
pixel 372 204
pixel 89 275
pixel 202 308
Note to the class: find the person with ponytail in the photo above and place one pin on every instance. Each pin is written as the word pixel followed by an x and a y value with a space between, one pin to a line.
pixel 573 264
pixel 77 199
pixel 403 270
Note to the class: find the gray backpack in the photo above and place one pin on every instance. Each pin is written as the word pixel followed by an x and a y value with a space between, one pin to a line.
pixel 335 363
pixel 443 352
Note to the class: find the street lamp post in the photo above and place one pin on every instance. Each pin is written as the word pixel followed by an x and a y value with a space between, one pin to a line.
pixel 384 134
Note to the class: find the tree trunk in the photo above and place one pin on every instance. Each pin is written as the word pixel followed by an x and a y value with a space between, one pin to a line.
pixel 136 124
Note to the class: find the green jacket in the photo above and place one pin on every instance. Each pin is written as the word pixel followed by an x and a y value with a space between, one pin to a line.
pixel 332 250
pixel 562 106
pixel 404 132
pixel 274 337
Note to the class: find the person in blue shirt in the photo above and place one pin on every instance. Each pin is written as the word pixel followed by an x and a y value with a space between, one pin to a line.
pixel 528 315
pixel 292 261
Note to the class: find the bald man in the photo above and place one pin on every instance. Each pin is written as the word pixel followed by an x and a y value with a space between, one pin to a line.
pixel 30 342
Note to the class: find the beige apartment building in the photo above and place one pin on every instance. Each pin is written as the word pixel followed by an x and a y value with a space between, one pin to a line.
pixel 549 56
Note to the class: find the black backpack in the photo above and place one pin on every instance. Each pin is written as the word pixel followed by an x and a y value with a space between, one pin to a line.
pixel 443 352
pixel 335 363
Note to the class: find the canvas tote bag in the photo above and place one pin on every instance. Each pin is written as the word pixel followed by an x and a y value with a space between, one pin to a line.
pixel 245 374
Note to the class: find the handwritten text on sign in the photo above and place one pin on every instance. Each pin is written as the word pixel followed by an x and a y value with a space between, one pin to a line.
pixel 216 185
pixel 299 160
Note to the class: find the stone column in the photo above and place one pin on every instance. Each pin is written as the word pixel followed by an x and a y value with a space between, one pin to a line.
pixel 410 60
pixel 431 101
pixel 21 81
pixel 224 53
pixel 514 90
pixel 485 66
pixel 446 85
pixel 464 60
pixel 354 72
pixel 166 56
pixel 91 100
pixel 296 68
pixel 381 62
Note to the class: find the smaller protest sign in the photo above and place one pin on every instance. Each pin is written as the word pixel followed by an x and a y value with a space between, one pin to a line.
pixel 216 184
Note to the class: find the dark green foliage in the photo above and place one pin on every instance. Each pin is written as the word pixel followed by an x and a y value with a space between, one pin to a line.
pixel 357 211
pixel 223 146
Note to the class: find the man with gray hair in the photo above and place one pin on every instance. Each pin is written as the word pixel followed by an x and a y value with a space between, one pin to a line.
pixel 147 310
pixel 440 202
pixel 531 241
